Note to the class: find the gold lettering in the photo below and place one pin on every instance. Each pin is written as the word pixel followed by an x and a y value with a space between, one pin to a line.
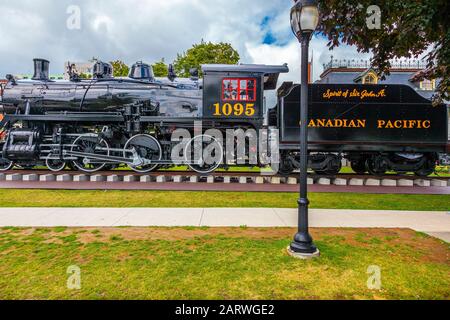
pixel 338 123
pixel 403 124
pixel 329 94
pixel 382 93
pixel 354 93
pixel 367 94
pixel 389 125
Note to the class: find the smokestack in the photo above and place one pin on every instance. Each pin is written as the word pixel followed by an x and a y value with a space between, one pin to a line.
pixel 41 69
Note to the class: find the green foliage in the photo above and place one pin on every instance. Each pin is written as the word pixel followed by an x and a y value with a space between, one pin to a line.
pixel 120 68
pixel 204 53
pixel 408 28
pixel 85 76
pixel 160 68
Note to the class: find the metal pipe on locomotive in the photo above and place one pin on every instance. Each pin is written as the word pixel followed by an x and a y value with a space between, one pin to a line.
pixel 105 122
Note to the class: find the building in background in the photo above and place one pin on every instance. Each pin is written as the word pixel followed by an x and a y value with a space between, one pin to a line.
pixel 81 68
pixel 3 82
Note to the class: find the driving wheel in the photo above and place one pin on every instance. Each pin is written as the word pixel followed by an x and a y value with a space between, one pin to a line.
pixel 147 147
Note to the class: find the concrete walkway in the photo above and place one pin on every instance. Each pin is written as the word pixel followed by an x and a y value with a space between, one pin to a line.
pixel 434 223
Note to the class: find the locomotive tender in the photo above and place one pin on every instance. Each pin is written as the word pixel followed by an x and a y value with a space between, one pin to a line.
pixel 98 124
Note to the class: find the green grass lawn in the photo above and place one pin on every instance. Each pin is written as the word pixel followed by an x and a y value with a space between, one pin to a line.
pixel 117 199
pixel 219 263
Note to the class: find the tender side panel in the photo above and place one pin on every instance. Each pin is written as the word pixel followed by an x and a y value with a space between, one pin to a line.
pixel 361 117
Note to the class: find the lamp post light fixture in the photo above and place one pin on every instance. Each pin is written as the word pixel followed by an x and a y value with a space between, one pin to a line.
pixel 304 20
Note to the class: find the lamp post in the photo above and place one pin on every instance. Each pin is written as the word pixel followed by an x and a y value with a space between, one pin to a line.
pixel 304 20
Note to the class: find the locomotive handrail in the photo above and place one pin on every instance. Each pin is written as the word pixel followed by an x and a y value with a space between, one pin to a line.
pixel 67 117
pixel 138 81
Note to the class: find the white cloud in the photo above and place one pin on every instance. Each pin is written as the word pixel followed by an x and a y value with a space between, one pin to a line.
pixel 148 30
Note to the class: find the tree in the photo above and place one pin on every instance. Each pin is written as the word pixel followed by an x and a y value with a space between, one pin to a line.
pixel 85 76
pixel 120 68
pixel 408 29
pixel 203 53
pixel 160 68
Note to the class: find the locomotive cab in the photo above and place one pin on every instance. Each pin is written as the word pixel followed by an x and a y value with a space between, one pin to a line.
pixel 236 92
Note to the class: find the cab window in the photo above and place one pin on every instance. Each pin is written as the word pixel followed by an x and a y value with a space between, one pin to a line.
pixel 238 89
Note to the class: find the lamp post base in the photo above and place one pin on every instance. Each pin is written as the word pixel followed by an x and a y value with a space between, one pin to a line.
pixel 303 255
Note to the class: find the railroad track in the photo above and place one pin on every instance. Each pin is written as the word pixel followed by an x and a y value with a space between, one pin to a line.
pixel 224 177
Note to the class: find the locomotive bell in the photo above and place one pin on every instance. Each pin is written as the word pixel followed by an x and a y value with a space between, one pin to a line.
pixel 102 70
pixel 41 69
pixel 141 71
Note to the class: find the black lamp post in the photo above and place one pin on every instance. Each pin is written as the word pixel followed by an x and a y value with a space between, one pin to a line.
pixel 304 20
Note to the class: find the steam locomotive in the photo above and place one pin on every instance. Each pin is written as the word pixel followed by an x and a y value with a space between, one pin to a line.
pixel 106 122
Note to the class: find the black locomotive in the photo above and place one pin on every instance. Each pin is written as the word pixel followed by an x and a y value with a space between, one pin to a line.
pixel 105 122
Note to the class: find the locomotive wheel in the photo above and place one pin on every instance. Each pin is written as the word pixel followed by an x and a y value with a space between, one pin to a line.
pixel 376 166
pixel 424 172
pixel 55 165
pixel 5 164
pixel 428 168
pixel 208 144
pixel 89 143
pixel 333 167
pixel 147 147
pixel 286 168
pixel 359 166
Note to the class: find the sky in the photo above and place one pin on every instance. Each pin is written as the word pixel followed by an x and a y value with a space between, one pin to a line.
pixel 148 30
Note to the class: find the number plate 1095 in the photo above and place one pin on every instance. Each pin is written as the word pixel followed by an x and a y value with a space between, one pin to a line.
pixel 235 110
